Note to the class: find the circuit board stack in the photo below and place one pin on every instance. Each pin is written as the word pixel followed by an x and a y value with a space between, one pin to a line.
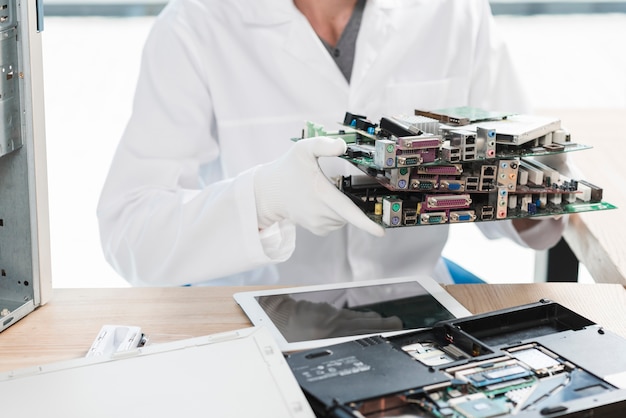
pixel 460 165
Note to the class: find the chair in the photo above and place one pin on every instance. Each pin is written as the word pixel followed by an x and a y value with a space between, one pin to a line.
pixel 460 275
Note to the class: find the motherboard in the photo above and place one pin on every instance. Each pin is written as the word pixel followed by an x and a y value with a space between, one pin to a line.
pixel 460 165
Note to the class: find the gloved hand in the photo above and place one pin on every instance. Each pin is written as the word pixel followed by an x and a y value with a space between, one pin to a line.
pixel 293 187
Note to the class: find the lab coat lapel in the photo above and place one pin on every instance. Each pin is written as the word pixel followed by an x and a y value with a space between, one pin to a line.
pixel 376 47
pixel 300 40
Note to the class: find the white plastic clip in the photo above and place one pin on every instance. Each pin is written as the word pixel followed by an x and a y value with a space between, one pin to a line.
pixel 115 338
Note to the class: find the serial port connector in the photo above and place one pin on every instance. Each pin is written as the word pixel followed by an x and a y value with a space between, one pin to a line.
pixel 433 218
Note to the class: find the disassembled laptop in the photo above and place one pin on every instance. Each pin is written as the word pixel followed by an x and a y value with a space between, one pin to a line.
pixel 538 360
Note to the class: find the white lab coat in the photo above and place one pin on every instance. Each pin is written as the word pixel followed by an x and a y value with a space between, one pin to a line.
pixel 225 84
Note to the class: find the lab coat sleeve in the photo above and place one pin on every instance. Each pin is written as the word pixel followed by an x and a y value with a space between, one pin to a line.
pixel 545 234
pixel 166 215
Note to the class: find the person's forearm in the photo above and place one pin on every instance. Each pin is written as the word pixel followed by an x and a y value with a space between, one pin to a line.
pixel 523 224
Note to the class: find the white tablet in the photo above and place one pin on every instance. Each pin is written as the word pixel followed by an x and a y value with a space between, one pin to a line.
pixel 307 317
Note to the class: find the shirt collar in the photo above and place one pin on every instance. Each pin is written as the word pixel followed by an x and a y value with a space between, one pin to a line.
pixel 271 12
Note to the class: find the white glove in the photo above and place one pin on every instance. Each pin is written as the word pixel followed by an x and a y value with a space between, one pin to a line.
pixel 293 187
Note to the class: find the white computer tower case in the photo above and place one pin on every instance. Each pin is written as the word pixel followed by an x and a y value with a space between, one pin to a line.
pixel 25 271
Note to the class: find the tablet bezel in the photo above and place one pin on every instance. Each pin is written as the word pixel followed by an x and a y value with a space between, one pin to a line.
pixel 257 315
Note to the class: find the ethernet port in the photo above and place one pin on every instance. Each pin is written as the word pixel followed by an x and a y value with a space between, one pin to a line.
pixel 489 170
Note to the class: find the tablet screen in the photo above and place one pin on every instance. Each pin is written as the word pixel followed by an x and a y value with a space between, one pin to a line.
pixel 352 311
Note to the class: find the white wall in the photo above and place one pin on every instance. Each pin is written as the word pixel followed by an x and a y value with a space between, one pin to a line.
pixel 570 61
pixel 90 68
pixel 573 61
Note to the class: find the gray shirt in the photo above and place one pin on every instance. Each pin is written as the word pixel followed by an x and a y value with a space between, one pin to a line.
pixel 343 52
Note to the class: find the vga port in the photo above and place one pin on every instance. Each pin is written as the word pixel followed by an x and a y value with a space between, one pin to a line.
pixel 462 216
pixel 452 185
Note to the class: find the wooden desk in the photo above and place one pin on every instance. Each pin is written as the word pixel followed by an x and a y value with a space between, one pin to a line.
pixel 599 239
pixel 66 327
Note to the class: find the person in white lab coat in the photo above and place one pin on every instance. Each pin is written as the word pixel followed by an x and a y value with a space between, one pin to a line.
pixel 206 185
